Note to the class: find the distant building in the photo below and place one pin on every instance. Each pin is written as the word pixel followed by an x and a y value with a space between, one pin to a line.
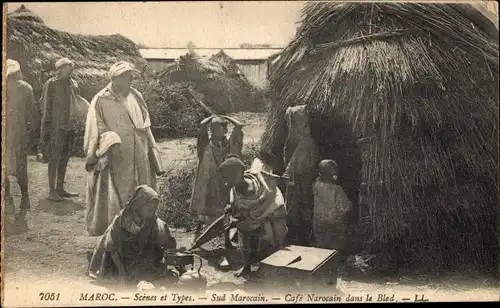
pixel 254 63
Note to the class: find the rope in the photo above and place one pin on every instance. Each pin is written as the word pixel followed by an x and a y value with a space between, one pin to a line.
pixel 363 38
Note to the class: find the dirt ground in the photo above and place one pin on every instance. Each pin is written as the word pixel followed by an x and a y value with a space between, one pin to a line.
pixel 53 250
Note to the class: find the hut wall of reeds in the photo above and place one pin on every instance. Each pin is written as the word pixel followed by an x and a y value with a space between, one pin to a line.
pixel 405 97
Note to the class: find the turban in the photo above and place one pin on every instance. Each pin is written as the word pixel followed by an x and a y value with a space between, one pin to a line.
pixel 64 61
pixel 12 67
pixel 119 68
pixel 231 162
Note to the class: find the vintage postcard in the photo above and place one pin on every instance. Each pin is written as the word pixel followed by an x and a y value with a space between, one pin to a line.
pixel 249 152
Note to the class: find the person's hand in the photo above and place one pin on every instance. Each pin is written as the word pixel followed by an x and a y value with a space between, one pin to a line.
pixel 172 243
pixel 207 120
pixel 227 209
pixel 103 161
pixel 89 167
pixel 233 120
pixel 40 158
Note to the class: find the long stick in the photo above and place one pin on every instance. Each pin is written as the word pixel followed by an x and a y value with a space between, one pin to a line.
pixel 372 37
pixel 202 104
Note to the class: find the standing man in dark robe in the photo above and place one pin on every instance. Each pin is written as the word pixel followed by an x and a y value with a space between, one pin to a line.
pixel 20 105
pixel 300 156
pixel 56 135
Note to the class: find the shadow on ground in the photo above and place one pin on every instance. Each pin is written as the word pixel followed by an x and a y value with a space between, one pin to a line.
pixel 63 208
pixel 13 227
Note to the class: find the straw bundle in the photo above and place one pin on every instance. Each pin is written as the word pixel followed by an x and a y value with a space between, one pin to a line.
pixel 406 96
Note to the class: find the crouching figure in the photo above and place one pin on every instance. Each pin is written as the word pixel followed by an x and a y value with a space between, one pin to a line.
pixel 257 209
pixel 133 246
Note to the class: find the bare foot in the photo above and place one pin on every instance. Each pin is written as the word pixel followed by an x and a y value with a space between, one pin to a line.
pixel 66 194
pixel 54 197
pixel 245 270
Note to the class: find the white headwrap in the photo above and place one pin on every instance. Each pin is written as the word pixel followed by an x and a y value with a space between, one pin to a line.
pixel 12 67
pixel 119 68
pixel 64 61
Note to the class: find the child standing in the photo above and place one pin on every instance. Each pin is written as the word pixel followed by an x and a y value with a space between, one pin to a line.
pixel 210 195
pixel 331 208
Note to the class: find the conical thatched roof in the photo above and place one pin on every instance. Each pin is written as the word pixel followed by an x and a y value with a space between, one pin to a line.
pixel 229 64
pixel 175 94
pixel 405 98
pixel 24 14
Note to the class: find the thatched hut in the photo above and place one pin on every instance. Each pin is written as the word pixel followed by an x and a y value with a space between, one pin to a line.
pixel 22 13
pixel 405 98
pixel 218 79
pixel 174 95
pixel 37 47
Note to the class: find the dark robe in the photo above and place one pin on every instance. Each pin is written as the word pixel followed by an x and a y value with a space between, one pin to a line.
pixel 141 253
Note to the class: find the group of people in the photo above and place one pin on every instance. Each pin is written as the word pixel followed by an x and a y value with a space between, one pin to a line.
pixel 313 212
pixel 122 162
pixel 117 125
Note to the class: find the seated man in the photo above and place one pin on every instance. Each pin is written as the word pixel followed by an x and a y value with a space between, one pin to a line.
pixel 258 210
pixel 133 246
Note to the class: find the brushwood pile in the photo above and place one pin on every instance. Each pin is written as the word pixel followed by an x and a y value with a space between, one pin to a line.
pixel 216 82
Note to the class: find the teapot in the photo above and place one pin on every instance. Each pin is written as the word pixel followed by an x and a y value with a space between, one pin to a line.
pixel 193 279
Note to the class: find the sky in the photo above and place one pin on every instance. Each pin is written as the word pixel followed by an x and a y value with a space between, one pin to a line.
pixel 174 24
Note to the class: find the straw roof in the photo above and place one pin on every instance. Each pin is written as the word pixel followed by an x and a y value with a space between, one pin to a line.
pixel 24 14
pixel 405 98
pixel 218 79
pixel 37 47
pixel 174 96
